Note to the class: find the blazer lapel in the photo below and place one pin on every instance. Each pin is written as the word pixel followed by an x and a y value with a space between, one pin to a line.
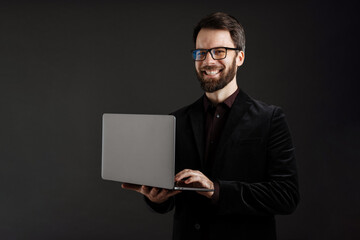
pixel 197 124
pixel 238 109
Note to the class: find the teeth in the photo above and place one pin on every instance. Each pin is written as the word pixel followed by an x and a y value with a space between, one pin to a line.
pixel 212 72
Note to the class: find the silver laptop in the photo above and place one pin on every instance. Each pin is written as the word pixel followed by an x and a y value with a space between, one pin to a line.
pixel 140 149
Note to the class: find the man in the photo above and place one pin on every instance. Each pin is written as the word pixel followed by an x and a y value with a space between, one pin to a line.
pixel 229 142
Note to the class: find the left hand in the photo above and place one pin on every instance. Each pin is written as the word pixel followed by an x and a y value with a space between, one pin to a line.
pixel 198 179
pixel 156 195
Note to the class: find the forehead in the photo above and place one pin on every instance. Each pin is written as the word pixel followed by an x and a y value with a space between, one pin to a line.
pixel 210 38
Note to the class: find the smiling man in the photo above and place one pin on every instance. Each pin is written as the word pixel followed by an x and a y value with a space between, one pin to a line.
pixel 229 142
pixel 217 71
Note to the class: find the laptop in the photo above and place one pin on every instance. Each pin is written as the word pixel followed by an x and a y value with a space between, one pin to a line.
pixel 140 149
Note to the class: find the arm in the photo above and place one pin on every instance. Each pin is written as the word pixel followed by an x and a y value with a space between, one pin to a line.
pixel 164 207
pixel 279 193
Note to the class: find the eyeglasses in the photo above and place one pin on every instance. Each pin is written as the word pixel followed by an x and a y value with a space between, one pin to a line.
pixel 216 53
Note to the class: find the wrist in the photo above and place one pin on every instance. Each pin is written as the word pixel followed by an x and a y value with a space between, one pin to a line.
pixel 215 195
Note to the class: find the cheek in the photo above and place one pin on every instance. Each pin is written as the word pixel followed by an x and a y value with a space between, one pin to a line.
pixel 224 64
pixel 197 66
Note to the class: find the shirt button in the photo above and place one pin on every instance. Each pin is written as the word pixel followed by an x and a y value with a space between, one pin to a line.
pixel 197 226
pixel 217 115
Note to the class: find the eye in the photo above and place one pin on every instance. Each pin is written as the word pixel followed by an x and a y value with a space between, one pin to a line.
pixel 201 53
pixel 219 51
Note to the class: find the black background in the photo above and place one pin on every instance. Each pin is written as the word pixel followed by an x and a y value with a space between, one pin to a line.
pixel 64 63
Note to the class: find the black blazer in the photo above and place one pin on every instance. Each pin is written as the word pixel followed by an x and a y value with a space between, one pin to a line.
pixel 254 166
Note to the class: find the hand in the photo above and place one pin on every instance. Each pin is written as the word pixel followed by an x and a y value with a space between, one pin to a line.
pixel 197 178
pixel 156 195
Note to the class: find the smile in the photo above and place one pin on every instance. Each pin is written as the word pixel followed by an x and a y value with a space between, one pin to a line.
pixel 212 72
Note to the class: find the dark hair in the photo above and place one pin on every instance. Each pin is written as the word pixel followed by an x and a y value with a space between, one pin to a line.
pixel 224 21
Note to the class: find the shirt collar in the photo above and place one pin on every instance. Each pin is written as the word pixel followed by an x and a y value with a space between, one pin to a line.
pixel 227 102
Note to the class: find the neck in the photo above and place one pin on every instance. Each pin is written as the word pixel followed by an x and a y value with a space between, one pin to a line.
pixel 220 95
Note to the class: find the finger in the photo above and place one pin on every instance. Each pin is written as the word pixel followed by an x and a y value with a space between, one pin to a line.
pixel 145 190
pixel 154 191
pixel 173 193
pixel 130 186
pixel 184 174
pixel 163 193
pixel 193 179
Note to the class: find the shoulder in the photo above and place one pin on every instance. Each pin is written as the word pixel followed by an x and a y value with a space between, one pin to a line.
pixel 256 108
pixel 270 116
pixel 265 108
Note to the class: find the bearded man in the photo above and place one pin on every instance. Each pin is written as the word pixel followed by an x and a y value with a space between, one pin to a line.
pixel 229 142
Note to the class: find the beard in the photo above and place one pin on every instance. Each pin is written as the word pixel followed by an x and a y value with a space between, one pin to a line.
pixel 212 84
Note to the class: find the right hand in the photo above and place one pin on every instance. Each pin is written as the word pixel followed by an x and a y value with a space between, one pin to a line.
pixel 156 195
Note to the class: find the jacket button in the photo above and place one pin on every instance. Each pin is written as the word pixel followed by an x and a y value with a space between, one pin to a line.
pixel 197 226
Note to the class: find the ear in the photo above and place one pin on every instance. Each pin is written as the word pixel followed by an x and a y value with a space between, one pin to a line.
pixel 240 58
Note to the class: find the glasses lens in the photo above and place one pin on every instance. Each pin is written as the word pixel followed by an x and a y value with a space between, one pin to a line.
pixel 218 53
pixel 199 54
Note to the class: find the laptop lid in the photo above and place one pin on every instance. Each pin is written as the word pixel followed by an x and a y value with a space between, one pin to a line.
pixel 139 149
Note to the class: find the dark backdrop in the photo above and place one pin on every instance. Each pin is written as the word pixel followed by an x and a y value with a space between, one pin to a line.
pixel 63 64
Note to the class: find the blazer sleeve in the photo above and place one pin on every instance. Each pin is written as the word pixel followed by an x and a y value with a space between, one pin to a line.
pixel 278 194
pixel 164 207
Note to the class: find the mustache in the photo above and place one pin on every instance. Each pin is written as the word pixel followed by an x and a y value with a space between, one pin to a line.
pixel 209 68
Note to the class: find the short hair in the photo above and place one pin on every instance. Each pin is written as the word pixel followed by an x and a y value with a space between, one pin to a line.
pixel 224 21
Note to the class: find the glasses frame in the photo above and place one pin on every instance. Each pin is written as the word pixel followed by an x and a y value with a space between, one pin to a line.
pixel 210 51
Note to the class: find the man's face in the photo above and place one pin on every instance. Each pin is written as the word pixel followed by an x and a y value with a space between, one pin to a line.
pixel 216 74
